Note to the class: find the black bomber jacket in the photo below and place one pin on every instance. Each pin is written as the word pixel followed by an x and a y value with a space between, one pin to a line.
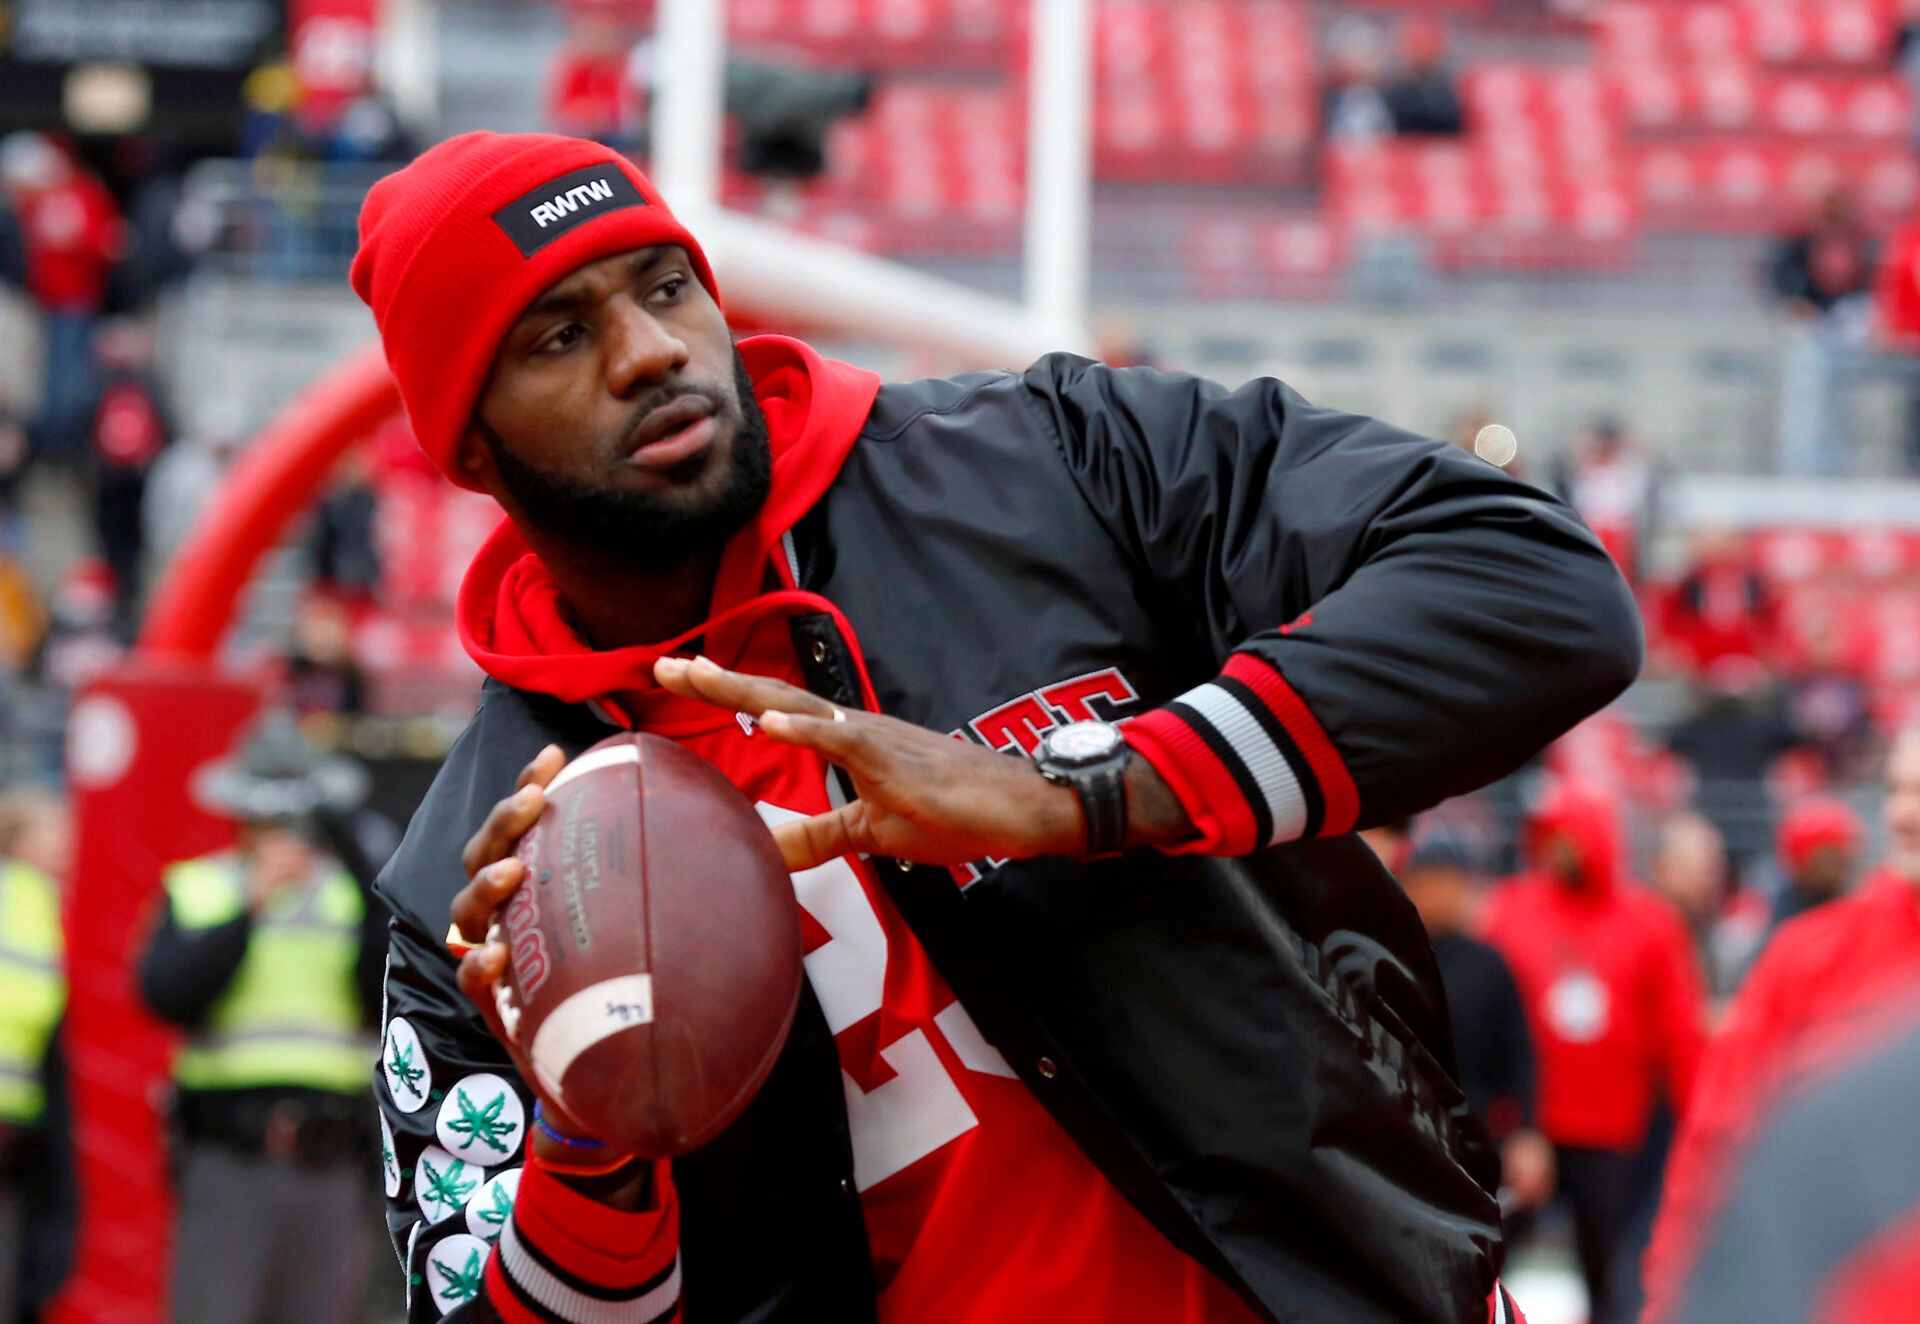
pixel 1253 1049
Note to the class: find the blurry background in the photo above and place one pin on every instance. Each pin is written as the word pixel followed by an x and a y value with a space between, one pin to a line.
pixel 1661 255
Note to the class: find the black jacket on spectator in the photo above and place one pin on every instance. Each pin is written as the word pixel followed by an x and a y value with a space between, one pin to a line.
pixel 1490 1034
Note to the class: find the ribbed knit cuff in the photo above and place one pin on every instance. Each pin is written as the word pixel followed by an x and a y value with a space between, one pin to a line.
pixel 564 1256
pixel 1248 761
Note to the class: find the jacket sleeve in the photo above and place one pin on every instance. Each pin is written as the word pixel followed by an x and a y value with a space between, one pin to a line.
pixel 1393 620
pixel 481 1234
pixel 184 971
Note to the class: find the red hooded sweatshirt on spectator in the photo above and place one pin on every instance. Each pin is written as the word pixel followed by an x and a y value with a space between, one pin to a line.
pixel 1827 987
pixel 71 233
pixel 1608 977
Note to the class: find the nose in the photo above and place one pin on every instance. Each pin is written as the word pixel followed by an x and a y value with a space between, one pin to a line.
pixel 641 351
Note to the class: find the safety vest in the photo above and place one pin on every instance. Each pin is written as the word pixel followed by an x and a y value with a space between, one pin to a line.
pixel 291 1014
pixel 33 987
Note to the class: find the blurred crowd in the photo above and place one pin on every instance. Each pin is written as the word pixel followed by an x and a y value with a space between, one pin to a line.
pixel 1626 1039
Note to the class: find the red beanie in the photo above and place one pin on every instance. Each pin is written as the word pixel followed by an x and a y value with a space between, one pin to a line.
pixel 455 246
pixel 1814 822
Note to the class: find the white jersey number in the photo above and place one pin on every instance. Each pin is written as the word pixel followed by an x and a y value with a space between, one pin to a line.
pixel 921 1109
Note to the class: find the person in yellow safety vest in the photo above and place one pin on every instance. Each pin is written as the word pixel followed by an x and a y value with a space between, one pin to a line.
pixel 269 956
pixel 36 1164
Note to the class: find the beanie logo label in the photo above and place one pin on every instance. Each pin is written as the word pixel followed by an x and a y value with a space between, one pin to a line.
pixel 535 219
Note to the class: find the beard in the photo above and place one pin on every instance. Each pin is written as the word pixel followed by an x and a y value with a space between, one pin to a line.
pixel 653 531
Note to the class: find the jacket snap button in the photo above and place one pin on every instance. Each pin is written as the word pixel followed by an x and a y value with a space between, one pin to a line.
pixel 1046 1068
pixel 819 650
pixel 846 1187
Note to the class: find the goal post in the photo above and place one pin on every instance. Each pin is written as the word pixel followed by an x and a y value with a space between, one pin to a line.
pixel 775 275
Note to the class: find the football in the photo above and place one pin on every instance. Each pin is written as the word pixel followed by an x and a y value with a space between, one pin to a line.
pixel 655 947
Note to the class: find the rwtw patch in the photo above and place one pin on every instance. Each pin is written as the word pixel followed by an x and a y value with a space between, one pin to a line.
pixel 538 217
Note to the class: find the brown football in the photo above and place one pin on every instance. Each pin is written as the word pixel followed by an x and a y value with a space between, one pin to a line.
pixel 655 947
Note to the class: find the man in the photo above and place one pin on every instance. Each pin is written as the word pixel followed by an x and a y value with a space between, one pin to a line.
pixel 1443 876
pixel 36 1176
pixel 71 236
pixel 269 958
pixel 1615 485
pixel 129 431
pixel 1689 870
pixel 1819 848
pixel 1074 1049
pixel 1617 1009
pixel 1822 275
pixel 1829 983
pixel 1421 96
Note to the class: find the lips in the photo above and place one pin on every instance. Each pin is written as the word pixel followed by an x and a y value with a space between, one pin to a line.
pixel 673 433
pixel 669 418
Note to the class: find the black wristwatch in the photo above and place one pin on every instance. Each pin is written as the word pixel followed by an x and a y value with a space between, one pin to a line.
pixel 1092 758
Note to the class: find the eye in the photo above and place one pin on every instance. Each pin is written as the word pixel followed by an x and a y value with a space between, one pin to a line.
pixel 561 339
pixel 669 290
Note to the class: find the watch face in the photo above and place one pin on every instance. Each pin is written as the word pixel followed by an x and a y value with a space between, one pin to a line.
pixel 1083 742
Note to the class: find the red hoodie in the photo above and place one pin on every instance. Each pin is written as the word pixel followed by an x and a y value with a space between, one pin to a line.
pixel 978 1206
pixel 1828 986
pixel 1608 976
pixel 71 233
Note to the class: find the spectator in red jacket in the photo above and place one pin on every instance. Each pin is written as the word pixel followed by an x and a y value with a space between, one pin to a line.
pixel 1830 984
pixel 1819 851
pixel 70 229
pixel 587 88
pixel 1618 1013
pixel 1723 610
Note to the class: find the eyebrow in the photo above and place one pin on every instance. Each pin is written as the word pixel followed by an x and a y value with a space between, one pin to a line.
pixel 564 300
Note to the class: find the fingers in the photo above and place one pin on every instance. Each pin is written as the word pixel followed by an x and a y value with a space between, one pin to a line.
pixel 475 905
pixel 544 767
pixel 843 742
pixel 479 975
pixel 480 969
pixel 505 825
pixel 703 678
pixel 806 843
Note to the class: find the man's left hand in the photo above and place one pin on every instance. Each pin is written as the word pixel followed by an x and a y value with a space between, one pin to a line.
pixel 924 796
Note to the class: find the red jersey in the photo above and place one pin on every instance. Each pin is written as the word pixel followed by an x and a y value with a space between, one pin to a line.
pixel 946 1139
pixel 979 1208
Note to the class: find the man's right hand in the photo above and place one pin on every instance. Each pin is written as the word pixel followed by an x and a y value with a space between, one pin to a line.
pixel 494 872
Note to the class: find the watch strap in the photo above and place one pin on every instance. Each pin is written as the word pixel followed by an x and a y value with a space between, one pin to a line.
pixel 1103 807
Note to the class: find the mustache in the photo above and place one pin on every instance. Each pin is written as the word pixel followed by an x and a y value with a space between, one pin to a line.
pixel 666 395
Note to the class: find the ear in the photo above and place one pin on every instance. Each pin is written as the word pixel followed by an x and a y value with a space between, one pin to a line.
pixel 473 459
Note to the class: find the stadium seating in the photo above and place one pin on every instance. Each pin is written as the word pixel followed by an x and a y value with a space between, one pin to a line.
pixel 1695 116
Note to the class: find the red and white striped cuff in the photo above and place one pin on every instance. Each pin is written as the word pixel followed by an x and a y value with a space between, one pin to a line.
pixel 1250 763
pixel 563 1257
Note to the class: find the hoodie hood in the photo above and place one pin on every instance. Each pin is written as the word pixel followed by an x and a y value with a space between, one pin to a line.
pixel 1587 818
pixel 515 624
